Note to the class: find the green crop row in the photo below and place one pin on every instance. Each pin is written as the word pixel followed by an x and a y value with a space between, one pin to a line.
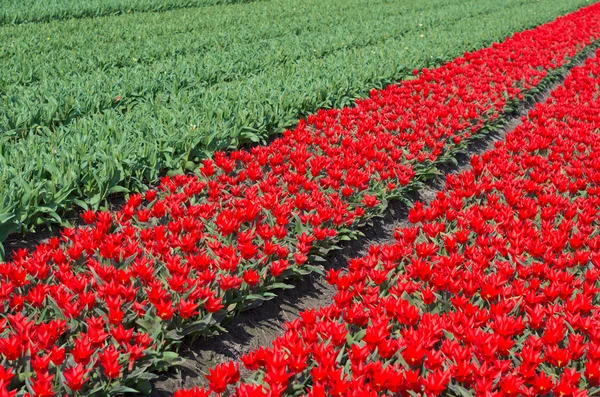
pixel 101 106
pixel 88 82
pixel 24 11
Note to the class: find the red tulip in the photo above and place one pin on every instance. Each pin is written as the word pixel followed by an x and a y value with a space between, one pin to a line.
pixel 76 377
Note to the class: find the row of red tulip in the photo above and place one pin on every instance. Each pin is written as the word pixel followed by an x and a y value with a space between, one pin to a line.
pixel 99 307
pixel 494 291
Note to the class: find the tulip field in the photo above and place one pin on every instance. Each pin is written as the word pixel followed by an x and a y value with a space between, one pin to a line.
pixel 493 291
pixel 245 156
pixel 112 103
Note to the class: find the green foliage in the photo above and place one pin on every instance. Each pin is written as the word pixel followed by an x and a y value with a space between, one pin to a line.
pixel 99 106
pixel 24 11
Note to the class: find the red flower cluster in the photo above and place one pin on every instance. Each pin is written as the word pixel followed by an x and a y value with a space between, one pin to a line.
pixel 493 292
pixel 96 306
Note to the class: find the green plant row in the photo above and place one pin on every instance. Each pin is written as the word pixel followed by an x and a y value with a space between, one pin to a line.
pixel 89 79
pixel 84 115
pixel 191 60
pixel 24 11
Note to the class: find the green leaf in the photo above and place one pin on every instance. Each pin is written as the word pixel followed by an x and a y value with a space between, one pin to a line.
pixel 191 329
pixel 314 269
pixel 279 286
pixel 81 203
pixel 120 389
pixel 118 189
pixel 460 390
pixel 171 357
